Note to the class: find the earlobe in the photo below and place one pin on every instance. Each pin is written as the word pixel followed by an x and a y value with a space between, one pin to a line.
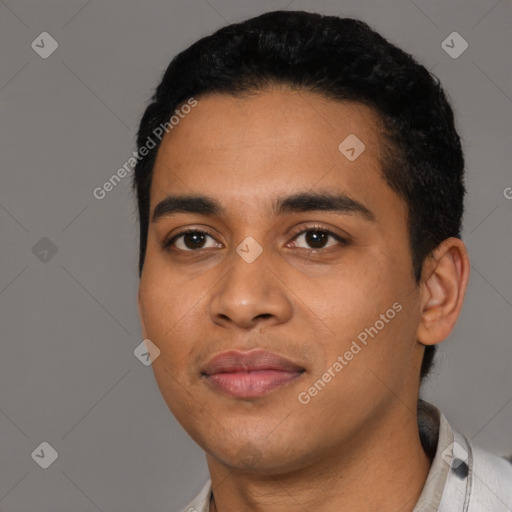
pixel 444 281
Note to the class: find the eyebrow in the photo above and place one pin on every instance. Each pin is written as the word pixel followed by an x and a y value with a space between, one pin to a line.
pixel 296 203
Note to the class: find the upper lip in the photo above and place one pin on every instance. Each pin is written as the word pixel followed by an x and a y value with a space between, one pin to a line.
pixel 236 361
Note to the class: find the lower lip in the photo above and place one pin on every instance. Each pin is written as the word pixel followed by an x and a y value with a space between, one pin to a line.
pixel 251 384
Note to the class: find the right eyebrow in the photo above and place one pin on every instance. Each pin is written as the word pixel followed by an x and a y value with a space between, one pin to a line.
pixel 187 204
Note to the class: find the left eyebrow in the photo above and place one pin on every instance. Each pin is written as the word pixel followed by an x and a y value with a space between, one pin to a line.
pixel 296 203
pixel 322 201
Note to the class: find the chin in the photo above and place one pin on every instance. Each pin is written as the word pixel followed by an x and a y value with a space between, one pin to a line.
pixel 259 457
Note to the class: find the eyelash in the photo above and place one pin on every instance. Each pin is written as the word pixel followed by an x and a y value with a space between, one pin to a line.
pixel 167 244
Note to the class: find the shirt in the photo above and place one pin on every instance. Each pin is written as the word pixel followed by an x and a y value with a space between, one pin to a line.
pixel 462 478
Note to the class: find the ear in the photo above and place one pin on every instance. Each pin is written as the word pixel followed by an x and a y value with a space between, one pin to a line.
pixel 443 285
pixel 141 316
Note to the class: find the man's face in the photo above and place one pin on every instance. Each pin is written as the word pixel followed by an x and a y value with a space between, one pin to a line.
pixel 308 296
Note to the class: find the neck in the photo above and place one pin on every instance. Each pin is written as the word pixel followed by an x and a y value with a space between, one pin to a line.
pixel 382 468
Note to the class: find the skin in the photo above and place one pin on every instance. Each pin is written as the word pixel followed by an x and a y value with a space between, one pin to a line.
pixel 355 445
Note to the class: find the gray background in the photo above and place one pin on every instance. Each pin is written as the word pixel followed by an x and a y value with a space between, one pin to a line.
pixel 69 325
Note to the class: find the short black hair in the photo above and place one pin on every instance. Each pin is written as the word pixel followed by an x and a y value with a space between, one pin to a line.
pixel 342 59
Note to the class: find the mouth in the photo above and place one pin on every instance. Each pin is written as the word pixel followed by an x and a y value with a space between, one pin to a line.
pixel 250 374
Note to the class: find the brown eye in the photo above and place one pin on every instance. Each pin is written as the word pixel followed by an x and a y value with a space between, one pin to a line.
pixel 191 240
pixel 317 238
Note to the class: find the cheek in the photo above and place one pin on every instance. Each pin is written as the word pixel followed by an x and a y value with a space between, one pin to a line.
pixel 370 310
pixel 168 310
pixel 351 299
pixel 168 322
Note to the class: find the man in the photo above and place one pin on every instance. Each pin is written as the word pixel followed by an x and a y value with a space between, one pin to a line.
pixel 300 259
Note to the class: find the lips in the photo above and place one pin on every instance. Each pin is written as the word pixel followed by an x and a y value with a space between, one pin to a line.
pixel 250 374
pixel 256 360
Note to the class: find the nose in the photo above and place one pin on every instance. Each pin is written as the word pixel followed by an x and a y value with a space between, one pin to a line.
pixel 250 294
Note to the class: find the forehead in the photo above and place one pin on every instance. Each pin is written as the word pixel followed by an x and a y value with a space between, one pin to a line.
pixel 251 151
